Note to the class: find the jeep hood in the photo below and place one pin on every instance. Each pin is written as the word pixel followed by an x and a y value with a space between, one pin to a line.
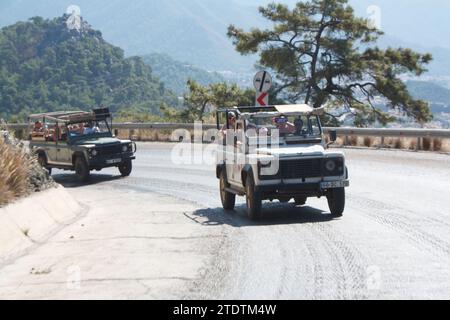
pixel 306 150
pixel 99 141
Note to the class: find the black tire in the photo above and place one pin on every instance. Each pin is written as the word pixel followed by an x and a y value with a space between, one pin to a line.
pixel 300 201
pixel 125 168
pixel 42 159
pixel 336 201
pixel 82 170
pixel 253 199
pixel 228 199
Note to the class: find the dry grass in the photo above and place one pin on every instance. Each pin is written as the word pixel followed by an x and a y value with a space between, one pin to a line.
pixel 426 144
pixel 353 141
pixel 368 142
pixel 398 143
pixel 437 144
pixel 20 172
pixel 404 143
pixel 15 166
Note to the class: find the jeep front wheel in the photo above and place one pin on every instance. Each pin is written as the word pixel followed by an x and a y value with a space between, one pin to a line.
pixel 228 199
pixel 125 168
pixel 336 201
pixel 253 199
pixel 82 170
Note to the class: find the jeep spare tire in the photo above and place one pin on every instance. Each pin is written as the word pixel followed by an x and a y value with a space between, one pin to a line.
pixel 82 170
pixel 125 168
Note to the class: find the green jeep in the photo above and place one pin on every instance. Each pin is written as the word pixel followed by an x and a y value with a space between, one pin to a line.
pixel 79 141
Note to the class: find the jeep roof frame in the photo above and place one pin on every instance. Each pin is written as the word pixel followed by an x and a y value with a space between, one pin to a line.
pixel 293 109
pixel 70 117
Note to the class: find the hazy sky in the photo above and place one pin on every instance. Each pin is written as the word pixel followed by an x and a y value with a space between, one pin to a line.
pixel 422 22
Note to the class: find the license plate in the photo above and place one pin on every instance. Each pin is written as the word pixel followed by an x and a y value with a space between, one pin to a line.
pixel 334 184
pixel 113 161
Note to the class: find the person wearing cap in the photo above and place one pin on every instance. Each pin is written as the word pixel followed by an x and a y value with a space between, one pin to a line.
pixel 231 122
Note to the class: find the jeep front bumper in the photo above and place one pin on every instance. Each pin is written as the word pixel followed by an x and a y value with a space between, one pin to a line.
pixel 110 161
pixel 309 189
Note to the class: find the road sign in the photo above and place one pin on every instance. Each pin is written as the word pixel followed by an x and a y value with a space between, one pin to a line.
pixel 262 99
pixel 262 81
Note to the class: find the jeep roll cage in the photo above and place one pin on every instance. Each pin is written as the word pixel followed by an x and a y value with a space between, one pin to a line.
pixel 277 110
pixel 67 118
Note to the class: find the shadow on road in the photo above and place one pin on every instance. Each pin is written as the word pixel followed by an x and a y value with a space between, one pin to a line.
pixel 272 214
pixel 70 180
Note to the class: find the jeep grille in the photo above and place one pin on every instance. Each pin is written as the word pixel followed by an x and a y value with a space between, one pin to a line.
pixel 304 168
pixel 109 150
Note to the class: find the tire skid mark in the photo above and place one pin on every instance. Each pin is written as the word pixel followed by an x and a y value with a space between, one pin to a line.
pixel 351 264
pixel 318 271
pixel 386 216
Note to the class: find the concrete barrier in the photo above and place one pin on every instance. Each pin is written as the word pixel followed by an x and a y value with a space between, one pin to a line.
pixel 32 220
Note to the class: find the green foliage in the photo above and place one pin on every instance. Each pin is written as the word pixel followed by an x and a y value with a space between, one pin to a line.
pixel 322 55
pixel 175 74
pixel 44 66
pixel 201 100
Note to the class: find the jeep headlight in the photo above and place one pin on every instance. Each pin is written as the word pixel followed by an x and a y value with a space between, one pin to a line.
pixel 124 148
pixel 333 167
pixel 93 152
pixel 330 165
pixel 268 169
pixel 264 163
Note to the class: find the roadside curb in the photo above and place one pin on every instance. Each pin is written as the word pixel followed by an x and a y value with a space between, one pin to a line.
pixel 32 220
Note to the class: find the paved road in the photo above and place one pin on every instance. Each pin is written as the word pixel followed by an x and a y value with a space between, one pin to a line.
pixel 161 233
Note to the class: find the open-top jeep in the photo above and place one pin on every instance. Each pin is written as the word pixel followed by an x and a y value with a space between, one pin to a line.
pixel 278 152
pixel 79 141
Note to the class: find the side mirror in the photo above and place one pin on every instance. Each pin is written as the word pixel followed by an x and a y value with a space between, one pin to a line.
pixel 333 135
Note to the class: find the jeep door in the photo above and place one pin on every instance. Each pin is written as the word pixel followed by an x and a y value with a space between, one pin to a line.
pixel 238 162
pixel 50 142
pixel 63 149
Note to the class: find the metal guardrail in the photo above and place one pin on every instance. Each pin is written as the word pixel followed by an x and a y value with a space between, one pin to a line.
pixel 364 132
pixel 410 133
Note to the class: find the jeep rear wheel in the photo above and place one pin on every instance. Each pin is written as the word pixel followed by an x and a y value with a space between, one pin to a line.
pixel 253 199
pixel 42 160
pixel 336 201
pixel 125 168
pixel 82 170
pixel 228 199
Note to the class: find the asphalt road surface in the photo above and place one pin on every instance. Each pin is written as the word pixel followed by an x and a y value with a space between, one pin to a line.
pixel 161 233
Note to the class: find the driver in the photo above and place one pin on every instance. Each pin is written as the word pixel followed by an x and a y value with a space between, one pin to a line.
pixel 89 128
pixel 283 125
pixel 231 121
pixel 298 123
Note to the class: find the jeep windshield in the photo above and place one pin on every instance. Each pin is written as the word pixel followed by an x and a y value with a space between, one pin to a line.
pixel 88 130
pixel 290 129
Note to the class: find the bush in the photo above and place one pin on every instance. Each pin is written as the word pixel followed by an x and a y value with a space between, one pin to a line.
pixel 437 144
pixel 426 144
pixel 20 173
pixel 368 142
pixel 398 143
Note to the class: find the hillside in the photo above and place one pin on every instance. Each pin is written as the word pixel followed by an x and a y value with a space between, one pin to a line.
pixel 44 66
pixel 175 74
pixel 429 91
